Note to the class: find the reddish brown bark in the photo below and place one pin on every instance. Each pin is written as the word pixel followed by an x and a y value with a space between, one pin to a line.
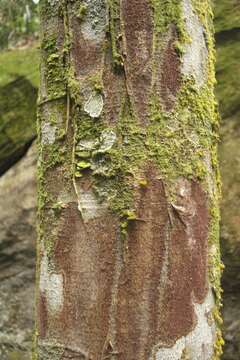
pixel 130 270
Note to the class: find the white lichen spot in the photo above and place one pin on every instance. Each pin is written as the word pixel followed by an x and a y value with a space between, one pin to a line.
pixel 87 145
pixel 90 207
pixel 199 343
pixel 65 198
pixel 52 2
pixel 94 22
pixel 173 353
pixel 195 55
pixel 94 105
pixel 107 140
pixel 48 132
pixel 51 286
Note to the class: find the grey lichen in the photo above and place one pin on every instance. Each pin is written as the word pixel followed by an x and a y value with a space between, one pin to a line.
pixel 91 208
pixel 51 286
pixel 107 140
pixel 195 55
pixel 86 146
pixel 94 23
pixel 48 132
pixel 94 105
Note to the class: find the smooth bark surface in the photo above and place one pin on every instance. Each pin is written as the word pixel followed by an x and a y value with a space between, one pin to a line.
pixel 128 256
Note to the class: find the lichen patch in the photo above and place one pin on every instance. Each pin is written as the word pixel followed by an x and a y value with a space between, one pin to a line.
pixel 107 139
pixel 195 56
pixel 173 353
pixel 51 286
pixel 94 105
pixel 48 132
pixel 91 208
pixel 94 22
pixel 199 343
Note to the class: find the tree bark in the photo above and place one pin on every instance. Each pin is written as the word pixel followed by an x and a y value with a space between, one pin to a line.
pixel 128 252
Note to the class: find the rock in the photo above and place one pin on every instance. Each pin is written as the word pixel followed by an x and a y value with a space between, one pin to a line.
pixel 17 258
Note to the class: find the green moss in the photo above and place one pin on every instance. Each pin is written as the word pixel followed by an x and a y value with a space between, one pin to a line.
pixel 55 67
pixel 81 11
pixel 74 86
pixel 114 24
pixel 96 81
pixel 167 13
pixel 175 147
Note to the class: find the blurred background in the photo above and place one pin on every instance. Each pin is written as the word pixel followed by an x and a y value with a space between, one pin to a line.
pixel 19 80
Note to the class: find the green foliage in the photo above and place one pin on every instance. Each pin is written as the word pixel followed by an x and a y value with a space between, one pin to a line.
pixel 228 75
pixel 226 14
pixel 18 19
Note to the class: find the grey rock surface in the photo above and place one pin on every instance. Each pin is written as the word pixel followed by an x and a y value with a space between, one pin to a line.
pixel 17 258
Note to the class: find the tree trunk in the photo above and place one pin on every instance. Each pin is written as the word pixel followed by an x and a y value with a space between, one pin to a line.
pixel 128 252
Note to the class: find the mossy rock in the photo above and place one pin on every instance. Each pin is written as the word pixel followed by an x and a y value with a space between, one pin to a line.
pixel 18 95
pixel 20 62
